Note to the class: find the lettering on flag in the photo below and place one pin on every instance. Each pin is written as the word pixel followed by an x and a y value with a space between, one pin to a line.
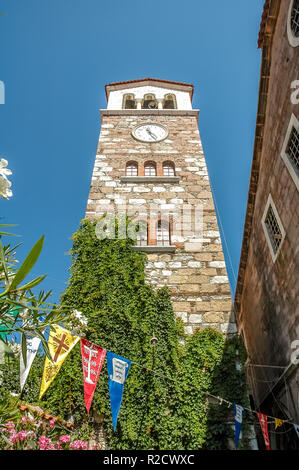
pixel 32 343
pixel 118 369
pixel 239 411
pixel 60 344
pixel 264 426
pixel 92 360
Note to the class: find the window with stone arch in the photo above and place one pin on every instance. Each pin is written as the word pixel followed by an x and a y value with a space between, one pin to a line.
pixel 141 228
pixel 293 23
pixel 168 169
pixel 163 233
pixel 132 169
pixel 169 102
pixel 129 101
pixel 150 169
pixel 149 102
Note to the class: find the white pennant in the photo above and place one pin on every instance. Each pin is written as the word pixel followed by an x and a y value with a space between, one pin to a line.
pixel 32 347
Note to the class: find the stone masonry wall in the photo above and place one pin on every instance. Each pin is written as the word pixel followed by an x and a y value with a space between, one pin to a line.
pixel 195 272
pixel 269 307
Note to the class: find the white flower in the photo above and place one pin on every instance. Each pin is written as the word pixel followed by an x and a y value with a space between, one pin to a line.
pixel 24 314
pixel 15 347
pixel 4 171
pixel 78 315
pixel 5 192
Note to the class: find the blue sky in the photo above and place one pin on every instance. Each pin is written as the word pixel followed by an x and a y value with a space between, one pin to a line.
pixel 57 56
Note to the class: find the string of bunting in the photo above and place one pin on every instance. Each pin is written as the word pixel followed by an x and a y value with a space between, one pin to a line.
pixel 60 344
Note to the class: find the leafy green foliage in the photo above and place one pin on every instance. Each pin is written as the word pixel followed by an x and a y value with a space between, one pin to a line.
pixel 20 310
pixel 164 404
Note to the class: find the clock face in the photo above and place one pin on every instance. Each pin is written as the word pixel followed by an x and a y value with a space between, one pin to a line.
pixel 150 132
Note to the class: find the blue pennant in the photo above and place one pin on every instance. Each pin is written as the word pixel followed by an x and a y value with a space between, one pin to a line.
pixel 239 412
pixel 118 368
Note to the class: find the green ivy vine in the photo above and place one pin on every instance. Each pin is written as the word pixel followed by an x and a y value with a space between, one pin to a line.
pixel 162 409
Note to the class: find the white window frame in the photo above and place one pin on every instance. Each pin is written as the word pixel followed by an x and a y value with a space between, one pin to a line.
pixel 293 123
pixel 283 233
pixel 292 39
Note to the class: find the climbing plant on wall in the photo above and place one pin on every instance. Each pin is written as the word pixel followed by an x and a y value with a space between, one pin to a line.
pixel 161 410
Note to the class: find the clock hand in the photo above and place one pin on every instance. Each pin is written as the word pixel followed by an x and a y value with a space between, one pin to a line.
pixel 151 134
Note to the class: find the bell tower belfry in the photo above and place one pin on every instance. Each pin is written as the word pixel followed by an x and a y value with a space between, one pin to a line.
pixel 150 162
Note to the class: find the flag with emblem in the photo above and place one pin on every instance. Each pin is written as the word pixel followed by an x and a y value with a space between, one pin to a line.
pixel 92 360
pixel 32 345
pixel 296 427
pixel 60 344
pixel 278 423
pixel 264 427
pixel 118 368
pixel 239 412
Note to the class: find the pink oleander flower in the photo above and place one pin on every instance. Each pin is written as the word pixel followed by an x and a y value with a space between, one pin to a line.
pixel 51 423
pixel 22 435
pixel 13 435
pixel 76 445
pixel 65 438
pixel 23 419
pixel 51 447
pixel 44 440
pixel 10 424
pixel 43 447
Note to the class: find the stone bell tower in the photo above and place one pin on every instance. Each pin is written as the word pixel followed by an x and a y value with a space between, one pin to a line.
pixel 150 162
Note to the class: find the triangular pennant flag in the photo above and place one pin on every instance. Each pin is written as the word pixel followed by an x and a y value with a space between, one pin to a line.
pixel 278 423
pixel 118 368
pixel 92 360
pixel 60 344
pixel 32 343
pixel 239 412
pixel 13 312
pixel 296 426
pixel 264 426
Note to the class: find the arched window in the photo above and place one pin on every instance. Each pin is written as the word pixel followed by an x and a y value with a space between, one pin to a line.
pixel 132 169
pixel 295 18
pixel 162 233
pixel 168 169
pixel 149 102
pixel 150 169
pixel 141 233
pixel 129 102
pixel 169 102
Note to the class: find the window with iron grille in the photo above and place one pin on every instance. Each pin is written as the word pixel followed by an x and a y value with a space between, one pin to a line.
pixel 150 169
pixel 141 234
pixel 292 149
pixel 162 233
pixel 274 232
pixel 132 169
pixel 295 18
pixel 168 169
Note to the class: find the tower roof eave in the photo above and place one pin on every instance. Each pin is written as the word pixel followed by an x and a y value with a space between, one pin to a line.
pixel 119 85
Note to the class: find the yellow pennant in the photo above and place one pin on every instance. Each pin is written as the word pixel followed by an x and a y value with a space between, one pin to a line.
pixel 278 423
pixel 60 344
